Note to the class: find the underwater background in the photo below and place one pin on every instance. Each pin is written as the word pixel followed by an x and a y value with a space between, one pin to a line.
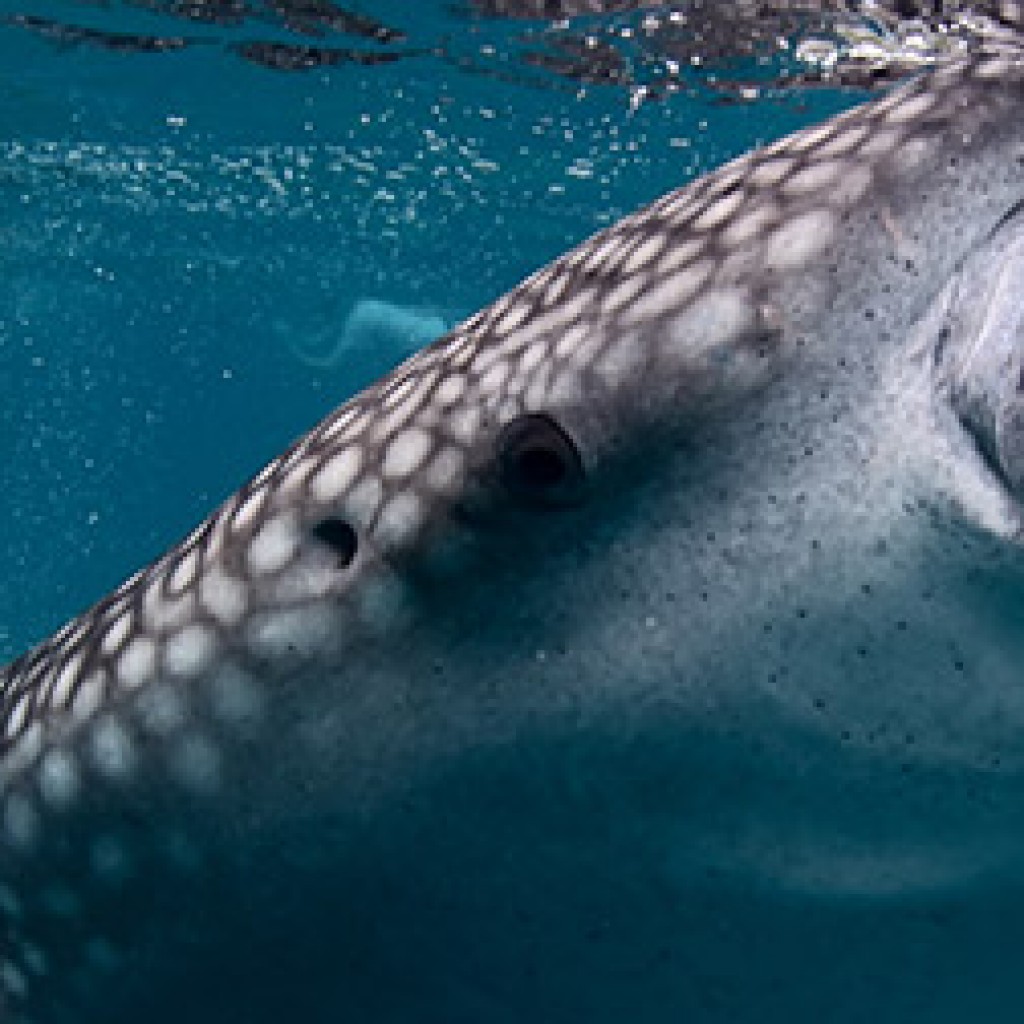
pixel 219 220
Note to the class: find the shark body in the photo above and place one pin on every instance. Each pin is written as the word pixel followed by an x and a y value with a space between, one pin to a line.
pixel 648 648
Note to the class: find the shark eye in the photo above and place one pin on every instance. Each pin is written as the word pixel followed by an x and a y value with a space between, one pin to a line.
pixel 538 460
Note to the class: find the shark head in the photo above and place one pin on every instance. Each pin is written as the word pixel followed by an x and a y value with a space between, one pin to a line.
pixel 648 647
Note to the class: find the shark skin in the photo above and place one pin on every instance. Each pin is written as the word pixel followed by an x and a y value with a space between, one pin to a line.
pixel 648 648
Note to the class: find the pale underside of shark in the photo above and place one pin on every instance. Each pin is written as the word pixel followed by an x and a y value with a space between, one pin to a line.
pixel 649 648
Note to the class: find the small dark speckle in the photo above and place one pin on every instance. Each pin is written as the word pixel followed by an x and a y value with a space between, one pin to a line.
pixel 862 652
pixel 901 624
pixel 819 704
pixel 958 664
pixel 869 314
pixel 865 588
pixel 801 613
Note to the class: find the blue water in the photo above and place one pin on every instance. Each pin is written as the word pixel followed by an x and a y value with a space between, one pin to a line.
pixel 180 232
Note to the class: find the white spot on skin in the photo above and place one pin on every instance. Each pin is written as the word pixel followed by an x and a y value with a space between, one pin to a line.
pixel 845 142
pixel 771 172
pixel 911 109
pixel 538 351
pixel 450 390
pixel 383 603
pixel 578 343
pixel 12 980
pixel 18 716
pixel 23 753
pixel 89 696
pixel 818 175
pixel 810 138
pixel 21 822
pixel 493 380
pixel 604 253
pixel 294 634
pixel 720 211
pixel 799 239
pixel 445 471
pixel 712 320
pixel 620 361
pixel 117 633
pixel 137 664
pixel 854 183
pixel 223 597
pixel 398 391
pixel 623 294
pixel 336 475
pixel 59 779
pixel 273 546
pixel 341 420
pixel 996 68
pixel 399 520
pixel 645 253
pixel 10 905
pixel 34 959
pixel 556 288
pixel 110 860
pixel 162 612
pixel 189 652
pixel 296 477
pixel 161 709
pixel 670 294
pixel 248 512
pixel 66 679
pixel 184 573
pixel 196 764
pixel 112 749
pixel 880 142
pixel 234 696
pixel 516 314
pixel 364 501
pixel 406 453
pixel 750 225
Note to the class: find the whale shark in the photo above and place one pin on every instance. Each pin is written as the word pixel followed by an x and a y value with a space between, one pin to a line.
pixel 649 647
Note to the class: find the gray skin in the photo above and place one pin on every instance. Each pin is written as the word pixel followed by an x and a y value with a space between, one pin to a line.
pixel 649 648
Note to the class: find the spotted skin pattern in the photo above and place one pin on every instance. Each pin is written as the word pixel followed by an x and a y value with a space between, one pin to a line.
pixel 321 641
